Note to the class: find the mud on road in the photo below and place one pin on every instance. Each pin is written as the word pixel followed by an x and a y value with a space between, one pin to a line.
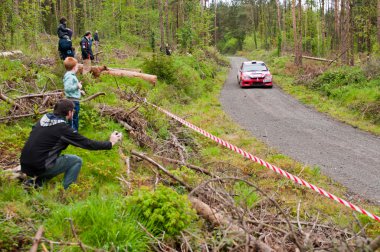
pixel 347 155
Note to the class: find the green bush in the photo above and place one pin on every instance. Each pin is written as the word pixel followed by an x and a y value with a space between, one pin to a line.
pixel 160 65
pixel 166 209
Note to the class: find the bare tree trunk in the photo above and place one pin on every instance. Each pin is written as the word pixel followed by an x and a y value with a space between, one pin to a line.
pixel 344 26
pixel 323 26
pixel 300 30
pixel 215 23
pixel 378 22
pixel 350 32
pixel 162 33
pixel 336 24
pixel 167 23
pixel 298 56
pixel 279 27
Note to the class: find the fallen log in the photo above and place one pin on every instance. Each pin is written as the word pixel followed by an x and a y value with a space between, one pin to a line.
pixel 137 70
pixel 318 59
pixel 148 77
pixel 10 53
pixel 126 72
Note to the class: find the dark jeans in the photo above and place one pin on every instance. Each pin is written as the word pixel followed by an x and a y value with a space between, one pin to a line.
pixel 75 121
pixel 68 164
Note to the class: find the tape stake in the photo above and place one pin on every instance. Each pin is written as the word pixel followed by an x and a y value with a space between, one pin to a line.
pixel 267 165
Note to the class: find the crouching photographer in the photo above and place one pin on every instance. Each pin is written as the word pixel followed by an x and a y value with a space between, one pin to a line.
pixel 41 157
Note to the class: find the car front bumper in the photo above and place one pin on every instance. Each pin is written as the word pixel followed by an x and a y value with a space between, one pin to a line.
pixel 255 83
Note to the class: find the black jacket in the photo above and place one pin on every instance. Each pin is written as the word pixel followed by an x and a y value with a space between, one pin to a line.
pixel 62 30
pixel 96 36
pixel 65 48
pixel 86 45
pixel 49 137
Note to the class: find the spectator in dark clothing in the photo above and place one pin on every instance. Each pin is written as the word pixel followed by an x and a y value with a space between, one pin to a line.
pixel 86 44
pixel 65 47
pixel 96 37
pixel 40 156
pixel 62 29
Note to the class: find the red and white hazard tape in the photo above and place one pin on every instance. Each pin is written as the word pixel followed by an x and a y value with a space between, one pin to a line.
pixel 268 165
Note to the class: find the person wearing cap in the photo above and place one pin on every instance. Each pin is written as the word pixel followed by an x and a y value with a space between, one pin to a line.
pixel 87 55
pixel 41 155
pixel 86 44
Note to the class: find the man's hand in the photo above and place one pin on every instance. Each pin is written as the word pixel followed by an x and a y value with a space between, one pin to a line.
pixel 80 85
pixel 115 137
pixel 82 92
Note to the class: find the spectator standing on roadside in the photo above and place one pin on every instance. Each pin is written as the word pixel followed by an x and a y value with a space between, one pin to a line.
pixel 87 55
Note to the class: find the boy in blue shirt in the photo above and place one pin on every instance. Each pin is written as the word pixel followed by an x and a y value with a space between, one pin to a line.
pixel 72 88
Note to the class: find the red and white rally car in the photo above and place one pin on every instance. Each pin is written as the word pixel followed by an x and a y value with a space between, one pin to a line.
pixel 254 74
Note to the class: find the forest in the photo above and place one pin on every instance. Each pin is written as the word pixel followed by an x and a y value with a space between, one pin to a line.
pixel 164 187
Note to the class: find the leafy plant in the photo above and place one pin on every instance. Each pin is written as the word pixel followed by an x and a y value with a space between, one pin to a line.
pixel 165 208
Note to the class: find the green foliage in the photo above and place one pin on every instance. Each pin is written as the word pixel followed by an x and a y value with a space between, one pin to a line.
pixel 246 195
pixel 165 208
pixel 160 65
pixel 230 46
pixel 350 86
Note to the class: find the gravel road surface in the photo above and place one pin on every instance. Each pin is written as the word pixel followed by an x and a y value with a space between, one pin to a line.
pixel 347 155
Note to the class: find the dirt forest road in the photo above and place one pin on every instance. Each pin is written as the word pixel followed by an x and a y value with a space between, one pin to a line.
pixel 347 155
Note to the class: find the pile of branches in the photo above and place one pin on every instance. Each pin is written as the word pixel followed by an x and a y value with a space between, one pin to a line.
pixel 235 225
pixel 132 121
pixel 30 104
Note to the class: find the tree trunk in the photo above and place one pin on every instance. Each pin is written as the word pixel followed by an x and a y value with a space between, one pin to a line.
pixel 336 24
pixel 378 22
pixel 215 24
pixel 296 53
pixel 162 33
pixel 323 26
pixel 279 27
pixel 167 23
pixel 300 31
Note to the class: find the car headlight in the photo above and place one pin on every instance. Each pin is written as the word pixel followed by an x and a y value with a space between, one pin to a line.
pixel 268 78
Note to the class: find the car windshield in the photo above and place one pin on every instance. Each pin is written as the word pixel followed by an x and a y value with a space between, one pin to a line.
pixel 255 67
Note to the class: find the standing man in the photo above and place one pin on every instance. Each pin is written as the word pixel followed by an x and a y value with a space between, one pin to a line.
pixel 87 55
pixel 41 157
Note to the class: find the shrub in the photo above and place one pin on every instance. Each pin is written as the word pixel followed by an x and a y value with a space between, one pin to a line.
pixel 168 211
pixel 160 65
